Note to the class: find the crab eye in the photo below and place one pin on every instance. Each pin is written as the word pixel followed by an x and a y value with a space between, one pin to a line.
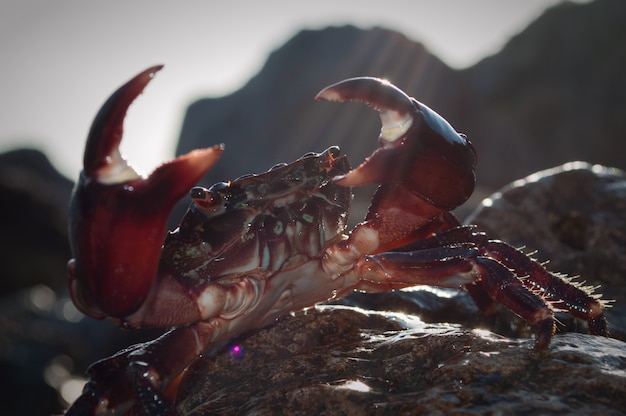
pixel 205 197
pixel 210 201
pixel 198 192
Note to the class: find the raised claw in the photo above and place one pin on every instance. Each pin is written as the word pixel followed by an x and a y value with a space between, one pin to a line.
pixel 118 218
pixel 419 149
pixel 394 106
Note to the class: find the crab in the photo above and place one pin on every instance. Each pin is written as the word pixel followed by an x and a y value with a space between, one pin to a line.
pixel 256 248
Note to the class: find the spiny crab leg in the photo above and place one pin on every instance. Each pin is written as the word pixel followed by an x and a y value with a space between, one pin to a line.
pixel 118 218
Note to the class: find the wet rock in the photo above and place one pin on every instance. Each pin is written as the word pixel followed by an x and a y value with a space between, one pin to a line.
pixel 573 217
pixel 346 361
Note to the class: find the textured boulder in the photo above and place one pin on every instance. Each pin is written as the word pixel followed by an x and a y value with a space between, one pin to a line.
pixel 337 360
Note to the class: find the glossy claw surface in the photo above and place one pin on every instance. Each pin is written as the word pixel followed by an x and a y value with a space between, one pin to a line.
pixel 418 148
pixel 118 218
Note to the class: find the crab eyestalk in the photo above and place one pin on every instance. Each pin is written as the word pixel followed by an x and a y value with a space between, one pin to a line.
pixel 418 148
pixel 117 217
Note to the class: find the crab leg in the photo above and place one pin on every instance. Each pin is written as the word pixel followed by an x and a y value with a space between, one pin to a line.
pixel 461 257
pixel 574 298
pixel 562 294
pixel 455 267
pixel 136 378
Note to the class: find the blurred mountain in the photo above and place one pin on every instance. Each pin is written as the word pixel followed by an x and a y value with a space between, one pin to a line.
pixel 33 220
pixel 555 93
pixel 274 118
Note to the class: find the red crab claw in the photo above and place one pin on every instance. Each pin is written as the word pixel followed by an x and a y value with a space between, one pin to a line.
pixel 424 166
pixel 418 148
pixel 118 218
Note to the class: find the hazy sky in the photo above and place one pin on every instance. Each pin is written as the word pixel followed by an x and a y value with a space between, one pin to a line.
pixel 61 59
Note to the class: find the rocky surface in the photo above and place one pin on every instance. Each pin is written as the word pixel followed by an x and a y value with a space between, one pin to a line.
pixel 343 361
